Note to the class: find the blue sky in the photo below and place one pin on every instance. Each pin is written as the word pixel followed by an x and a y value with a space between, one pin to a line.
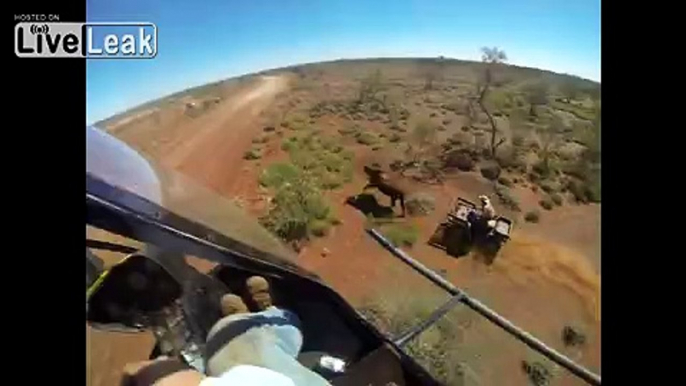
pixel 208 40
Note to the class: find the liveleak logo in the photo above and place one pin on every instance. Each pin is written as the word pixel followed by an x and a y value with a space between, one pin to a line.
pixel 86 40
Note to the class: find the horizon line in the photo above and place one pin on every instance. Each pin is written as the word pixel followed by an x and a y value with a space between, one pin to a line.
pixel 286 66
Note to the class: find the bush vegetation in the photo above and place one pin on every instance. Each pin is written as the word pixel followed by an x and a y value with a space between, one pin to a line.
pixel 546 203
pixel 253 154
pixel 367 138
pixel 506 198
pixel 263 138
pixel 505 181
pixel 299 210
pixel 490 171
pixel 533 216
pixel 420 204
pixel 460 159
pixel 401 234
pixel 437 349
pixel 348 130
pixel 537 372
pixel 573 336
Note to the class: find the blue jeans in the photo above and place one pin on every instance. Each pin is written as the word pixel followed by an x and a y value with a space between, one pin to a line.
pixel 269 339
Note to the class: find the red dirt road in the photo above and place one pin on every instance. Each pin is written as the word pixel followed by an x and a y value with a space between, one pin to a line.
pixel 209 148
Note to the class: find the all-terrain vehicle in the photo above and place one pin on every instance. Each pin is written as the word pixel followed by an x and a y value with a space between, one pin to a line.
pixel 464 228
pixel 171 220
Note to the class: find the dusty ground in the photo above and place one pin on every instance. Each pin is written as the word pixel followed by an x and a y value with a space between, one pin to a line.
pixel 547 276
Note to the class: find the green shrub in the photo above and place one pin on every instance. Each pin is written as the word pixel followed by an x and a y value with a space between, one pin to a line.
pixel 261 139
pixel 456 107
pixel 401 234
pixel 518 140
pixel 348 130
pixel 348 154
pixel 548 187
pixel 420 204
pixel 320 228
pixel 510 158
pixel 490 171
pixel 592 186
pixel 394 138
pixel 505 181
pixel 506 198
pixel 334 220
pixel 297 126
pixel 289 144
pixel 573 336
pixel 447 121
pixel 537 372
pixel 424 132
pixel 295 207
pixel 328 143
pixel 304 159
pixel 333 162
pixel 557 199
pixel 253 154
pixel 367 138
pixel 546 203
pixel 275 175
pixel 331 181
pixel 460 160
pixel 437 349
pixel 578 190
pixel 533 216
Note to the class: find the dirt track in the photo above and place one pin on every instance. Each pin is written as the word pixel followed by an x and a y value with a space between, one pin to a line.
pixel 224 134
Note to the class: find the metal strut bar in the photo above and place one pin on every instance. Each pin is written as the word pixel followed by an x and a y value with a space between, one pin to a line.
pixel 486 312
pixel 408 335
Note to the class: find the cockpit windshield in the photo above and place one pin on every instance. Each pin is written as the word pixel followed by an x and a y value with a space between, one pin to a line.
pixel 110 160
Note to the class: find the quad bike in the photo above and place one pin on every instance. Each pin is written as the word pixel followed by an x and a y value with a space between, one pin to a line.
pixel 463 229
pixel 154 288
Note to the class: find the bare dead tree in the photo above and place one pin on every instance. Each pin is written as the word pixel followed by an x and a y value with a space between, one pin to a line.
pixel 549 147
pixel 492 57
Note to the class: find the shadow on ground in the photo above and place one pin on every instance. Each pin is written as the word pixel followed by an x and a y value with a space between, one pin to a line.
pixel 367 204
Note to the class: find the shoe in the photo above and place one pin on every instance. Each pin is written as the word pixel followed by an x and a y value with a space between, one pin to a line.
pixel 233 304
pixel 258 288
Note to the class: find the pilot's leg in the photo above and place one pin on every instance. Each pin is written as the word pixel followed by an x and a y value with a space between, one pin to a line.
pixel 270 338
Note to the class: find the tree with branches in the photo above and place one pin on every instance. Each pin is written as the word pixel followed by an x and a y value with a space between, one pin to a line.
pixel 370 86
pixel 569 90
pixel 433 72
pixel 492 58
pixel 547 137
pixel 537 95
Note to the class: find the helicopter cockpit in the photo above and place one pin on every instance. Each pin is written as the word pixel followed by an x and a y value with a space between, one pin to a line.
pixel 154 288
